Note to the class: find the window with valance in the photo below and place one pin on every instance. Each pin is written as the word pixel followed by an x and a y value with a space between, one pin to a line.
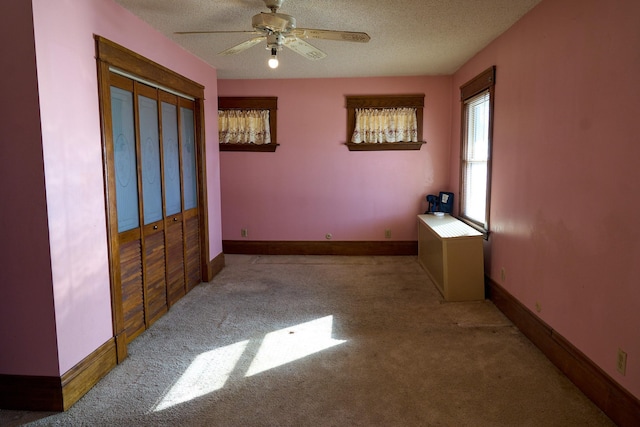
pixel 244 127
pixel 384 122
pixel 247 123
pixel 380 125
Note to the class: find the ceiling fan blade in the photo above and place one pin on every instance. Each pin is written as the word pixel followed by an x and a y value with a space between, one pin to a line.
pixel 216 32
pixel 243 46
pixel 348 36
pixel 303 48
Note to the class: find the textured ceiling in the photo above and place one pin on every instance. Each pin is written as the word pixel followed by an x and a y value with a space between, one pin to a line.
pixel 408 37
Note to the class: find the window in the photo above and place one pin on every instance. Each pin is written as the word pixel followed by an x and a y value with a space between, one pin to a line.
pixel 384 122
pixel 475 163
pixel 377 126
pixel 244 127
pixel 247 124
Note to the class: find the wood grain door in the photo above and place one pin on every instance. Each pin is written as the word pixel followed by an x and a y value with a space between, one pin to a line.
pixel 128 204
pixel 153 235
pixel 191 219
pixel 174 236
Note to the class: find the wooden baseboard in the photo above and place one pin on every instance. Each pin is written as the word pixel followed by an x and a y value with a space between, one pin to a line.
pixel 42 393
pixel 351 248
pixel 215 266
pixel 82 377
pixel 615 401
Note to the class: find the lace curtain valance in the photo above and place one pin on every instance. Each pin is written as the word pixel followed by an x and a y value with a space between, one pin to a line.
pixel 244 127
pixel 379 125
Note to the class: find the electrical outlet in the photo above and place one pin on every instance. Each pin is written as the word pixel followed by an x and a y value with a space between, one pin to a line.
pixel 538 307
pixel 387 234
pixel 328 236
pixel 244 232
pixel 621 362
pixel 503 275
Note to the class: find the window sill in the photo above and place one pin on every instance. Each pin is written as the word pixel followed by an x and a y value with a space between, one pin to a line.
pixel 385 146
pixel 485 233
pixel 263 148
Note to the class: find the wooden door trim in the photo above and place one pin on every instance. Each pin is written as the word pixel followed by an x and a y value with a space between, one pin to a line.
pixel 113 248
pixel 131 62
pixel 201 158
pixel 111 55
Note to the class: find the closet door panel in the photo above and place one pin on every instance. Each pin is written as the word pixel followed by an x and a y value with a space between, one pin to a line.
pixel 155 273
pixel 155 285
pixel 127 206
pixel 131 282
pixel 189 173
pixel 126 175
pixel 171 159
pixel 192 241
pixel 175 259
pixel 189 179
pixel 150 159
pixel 172 199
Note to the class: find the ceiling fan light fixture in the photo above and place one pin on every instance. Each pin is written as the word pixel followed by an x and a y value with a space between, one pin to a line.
pixel 279 30
pixel 273 61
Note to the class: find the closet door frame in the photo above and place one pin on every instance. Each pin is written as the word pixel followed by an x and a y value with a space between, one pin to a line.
pixel 111 56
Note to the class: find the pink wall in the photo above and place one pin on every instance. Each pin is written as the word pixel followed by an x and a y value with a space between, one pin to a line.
pixel 25 275
pixel 312 185
pixel 565 172
pixel 71 146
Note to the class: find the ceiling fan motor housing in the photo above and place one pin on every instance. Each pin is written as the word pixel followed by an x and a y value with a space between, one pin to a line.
pixel 275 41
pixel 273 22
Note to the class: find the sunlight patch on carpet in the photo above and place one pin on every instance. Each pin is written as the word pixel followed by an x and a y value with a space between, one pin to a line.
pixel 210 371
pixel 207 373
pixel 293 343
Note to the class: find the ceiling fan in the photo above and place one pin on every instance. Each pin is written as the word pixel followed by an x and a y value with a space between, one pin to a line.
pixel 279 29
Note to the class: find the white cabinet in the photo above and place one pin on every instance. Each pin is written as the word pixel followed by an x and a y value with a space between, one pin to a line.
pixel 451 253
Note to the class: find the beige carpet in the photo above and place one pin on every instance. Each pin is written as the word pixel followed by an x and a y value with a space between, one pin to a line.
pixel 328 341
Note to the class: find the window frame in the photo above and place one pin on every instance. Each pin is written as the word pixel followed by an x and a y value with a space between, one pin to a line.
pixel 252 103
pixel 483 82
pixel 354 102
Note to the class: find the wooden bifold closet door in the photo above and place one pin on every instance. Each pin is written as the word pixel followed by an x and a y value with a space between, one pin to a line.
pixel 156 199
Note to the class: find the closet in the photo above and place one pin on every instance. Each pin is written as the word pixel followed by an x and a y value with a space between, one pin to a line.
pixel 156 199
